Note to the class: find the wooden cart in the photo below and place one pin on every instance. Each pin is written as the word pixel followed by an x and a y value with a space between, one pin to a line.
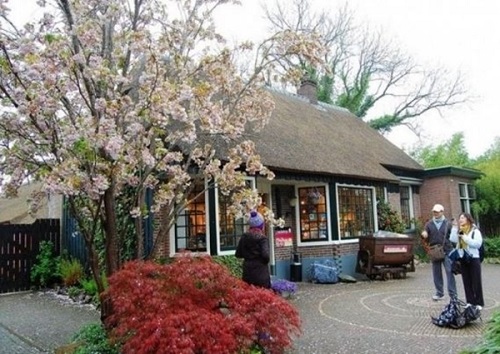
pixel 386 255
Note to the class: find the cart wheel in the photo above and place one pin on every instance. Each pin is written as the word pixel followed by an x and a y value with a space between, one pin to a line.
pixel 363 259
pixel 387 276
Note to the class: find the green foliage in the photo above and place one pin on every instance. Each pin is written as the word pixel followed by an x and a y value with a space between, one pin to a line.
pixel 233 264
pixel 74 291
pixel 450 153
pixel 94 340
pixel 45 271
pixel 325 89
pixel 385 123
pixel 492 248
pixel 491 337
pixel 487 205
pixel 89 286
pixel 388 218
pixel 71 271
pixel 356 98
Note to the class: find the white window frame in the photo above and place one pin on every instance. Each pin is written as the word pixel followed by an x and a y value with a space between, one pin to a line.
pixel 467 199
pixel 173 251
pixel 329 240
pixel 220 252
pixel 374 207
pixel 411 208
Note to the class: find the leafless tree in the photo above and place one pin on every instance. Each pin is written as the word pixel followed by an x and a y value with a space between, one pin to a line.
pixel 365 69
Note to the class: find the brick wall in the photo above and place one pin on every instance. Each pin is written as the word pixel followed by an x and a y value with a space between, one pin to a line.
pixel 442 190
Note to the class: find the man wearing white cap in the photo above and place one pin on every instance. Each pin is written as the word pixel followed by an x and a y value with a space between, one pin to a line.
pixel 437 232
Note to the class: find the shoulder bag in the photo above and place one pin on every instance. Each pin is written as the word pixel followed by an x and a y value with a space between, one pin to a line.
pixel 436 252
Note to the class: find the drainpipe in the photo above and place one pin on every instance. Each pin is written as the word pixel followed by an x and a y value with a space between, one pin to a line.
pixel 271 250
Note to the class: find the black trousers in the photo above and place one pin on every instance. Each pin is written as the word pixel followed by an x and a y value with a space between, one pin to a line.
pixel 473 286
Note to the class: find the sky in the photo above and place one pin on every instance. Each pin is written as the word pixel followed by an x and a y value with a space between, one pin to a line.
pixel 460 35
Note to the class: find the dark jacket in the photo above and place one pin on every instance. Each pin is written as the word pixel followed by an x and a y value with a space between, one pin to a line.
pixel 254 249
pixel 436 236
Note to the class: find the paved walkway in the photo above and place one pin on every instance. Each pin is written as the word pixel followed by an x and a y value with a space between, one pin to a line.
pixel 387 316
pixel 390 317
pixel 39 322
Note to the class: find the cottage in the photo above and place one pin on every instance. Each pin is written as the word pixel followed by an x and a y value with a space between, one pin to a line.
pixel 331 168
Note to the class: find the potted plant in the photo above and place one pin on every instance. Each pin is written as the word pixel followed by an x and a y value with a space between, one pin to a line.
pixel 284 287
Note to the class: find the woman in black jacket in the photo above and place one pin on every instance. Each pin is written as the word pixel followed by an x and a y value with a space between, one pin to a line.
pixel 254 249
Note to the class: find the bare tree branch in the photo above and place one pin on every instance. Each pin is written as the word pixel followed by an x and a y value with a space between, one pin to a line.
pixel 367 70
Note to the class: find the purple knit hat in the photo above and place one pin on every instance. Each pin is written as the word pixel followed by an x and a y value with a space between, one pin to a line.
pixel 256 220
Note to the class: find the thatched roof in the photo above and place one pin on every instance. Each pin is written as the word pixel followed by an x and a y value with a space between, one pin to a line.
pixel 300 137
pixel 320 138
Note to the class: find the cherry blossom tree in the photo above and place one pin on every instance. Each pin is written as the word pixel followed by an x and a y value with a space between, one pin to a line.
pixel 105 99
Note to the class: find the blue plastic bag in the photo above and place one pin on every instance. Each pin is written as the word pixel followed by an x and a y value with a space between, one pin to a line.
pixel 324 272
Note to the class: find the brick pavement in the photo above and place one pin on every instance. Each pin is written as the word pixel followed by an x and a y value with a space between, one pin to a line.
pixel 390 317
pixel 386 316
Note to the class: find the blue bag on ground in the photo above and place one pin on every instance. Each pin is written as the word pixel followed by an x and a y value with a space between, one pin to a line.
pixel 324 272
pixel 457 314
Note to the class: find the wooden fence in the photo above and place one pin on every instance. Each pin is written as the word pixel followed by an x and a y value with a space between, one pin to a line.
pixel 19 246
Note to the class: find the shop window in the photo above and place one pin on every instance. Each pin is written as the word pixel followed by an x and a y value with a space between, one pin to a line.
pixel 467 194
pixel 405 195
pixel 230 228
pixel 190 228
pixel 356 211
pixel 313 214
pixel 381 193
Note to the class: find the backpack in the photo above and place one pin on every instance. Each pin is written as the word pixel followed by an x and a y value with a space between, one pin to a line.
pixel 481 249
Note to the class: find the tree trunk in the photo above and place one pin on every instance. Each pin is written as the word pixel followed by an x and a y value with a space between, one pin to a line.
pixel 139 231
pixel 111 236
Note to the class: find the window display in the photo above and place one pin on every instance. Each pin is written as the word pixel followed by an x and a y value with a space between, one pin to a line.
pixel 313 214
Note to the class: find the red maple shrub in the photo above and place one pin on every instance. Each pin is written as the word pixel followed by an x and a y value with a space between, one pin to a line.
pixel 195 305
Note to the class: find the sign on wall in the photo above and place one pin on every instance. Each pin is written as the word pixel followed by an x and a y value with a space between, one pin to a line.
pixel 283 237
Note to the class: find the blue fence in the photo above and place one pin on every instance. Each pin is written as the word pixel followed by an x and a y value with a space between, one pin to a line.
pixel 74 244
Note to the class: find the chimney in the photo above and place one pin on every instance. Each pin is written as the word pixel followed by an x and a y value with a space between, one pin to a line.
pixel 307 89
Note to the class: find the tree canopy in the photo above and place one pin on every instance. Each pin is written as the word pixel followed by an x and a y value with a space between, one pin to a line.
pixel 450 153
pixel 105 100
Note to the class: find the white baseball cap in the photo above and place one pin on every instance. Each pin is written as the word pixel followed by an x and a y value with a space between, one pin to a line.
pixel 438 207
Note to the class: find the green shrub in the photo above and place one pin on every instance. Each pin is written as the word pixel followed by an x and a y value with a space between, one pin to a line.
pixel 492 247
pixel 45 271
pixel 94 340
pixel 491 338
pixel 388 218
pixel 233 264
pixel 74 292
pixel 89 286
pixel 71 271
